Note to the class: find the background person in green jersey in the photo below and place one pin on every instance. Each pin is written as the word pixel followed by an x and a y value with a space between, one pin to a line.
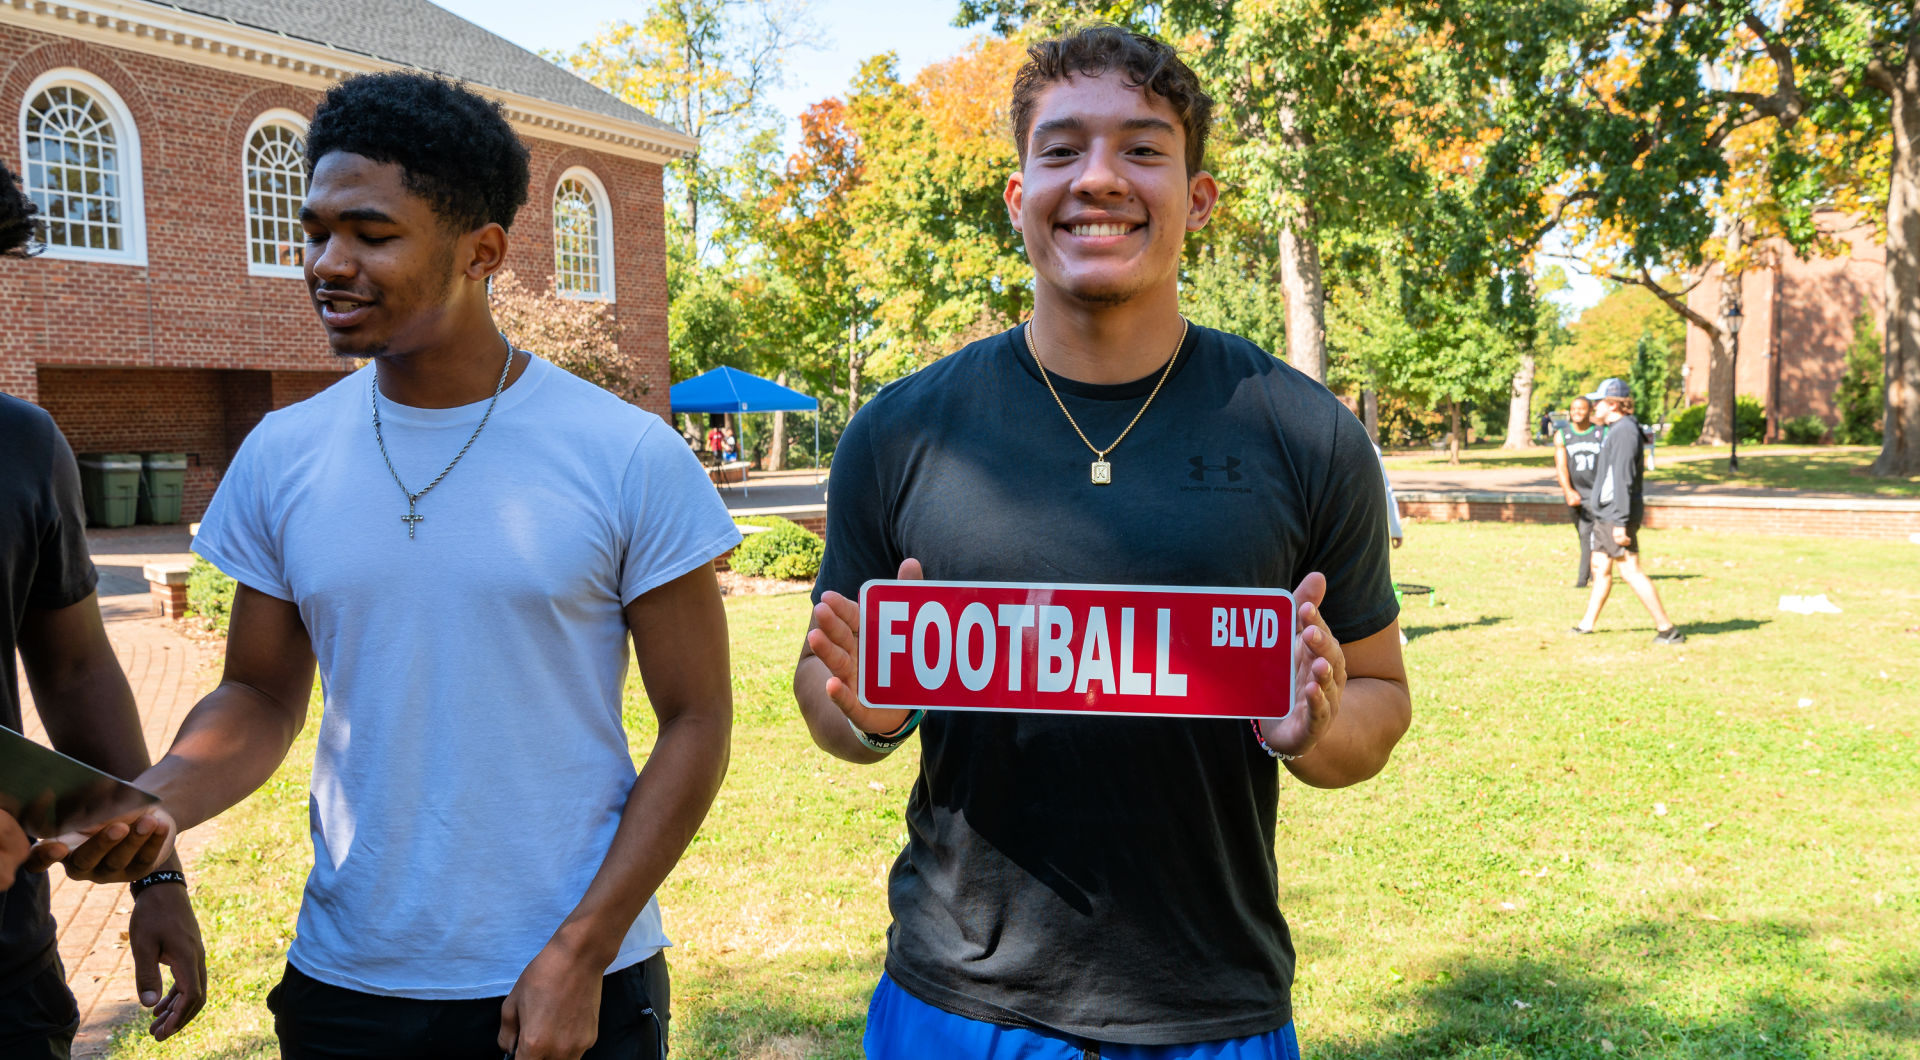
pixel 1576 453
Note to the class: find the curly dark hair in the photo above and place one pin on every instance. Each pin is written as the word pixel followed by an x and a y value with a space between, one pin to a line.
pixel 1093 50
pixel 455 145
pixel 18 227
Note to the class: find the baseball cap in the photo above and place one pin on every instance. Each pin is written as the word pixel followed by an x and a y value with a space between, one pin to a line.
pixel 1610 388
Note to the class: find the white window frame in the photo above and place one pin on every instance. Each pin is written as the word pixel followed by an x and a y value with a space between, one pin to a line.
pixel 133 209
pixel 603 214
pixel 277 116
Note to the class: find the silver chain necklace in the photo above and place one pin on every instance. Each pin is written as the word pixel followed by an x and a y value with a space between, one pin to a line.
pixel 411 519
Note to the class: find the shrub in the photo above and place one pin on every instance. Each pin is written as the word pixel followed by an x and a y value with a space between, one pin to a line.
pixel 1750 419
pixel 1684 427
pixel 785 549
pixel 1804 430
pixel 1861 396
pixel 209 595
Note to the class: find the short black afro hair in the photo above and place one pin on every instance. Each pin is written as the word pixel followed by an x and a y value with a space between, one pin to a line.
pixel 455 145
pixel 18 229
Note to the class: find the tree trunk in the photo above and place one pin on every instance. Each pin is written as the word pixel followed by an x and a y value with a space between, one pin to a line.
pixel 856 360
pixel 1900 434
pixel 777 450
pixel 1520 406
pixel 1453 432
pixel 1300 275
pixel 1306 297
pixel 1370 413
pixel 1722 387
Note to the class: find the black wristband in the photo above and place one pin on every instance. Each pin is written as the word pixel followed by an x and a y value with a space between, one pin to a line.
pixel 151 878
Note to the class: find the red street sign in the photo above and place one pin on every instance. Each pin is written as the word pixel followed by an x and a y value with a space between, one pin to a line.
pixel 1160 650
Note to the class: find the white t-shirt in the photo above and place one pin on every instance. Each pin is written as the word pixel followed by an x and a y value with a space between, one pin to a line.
pixel 472 764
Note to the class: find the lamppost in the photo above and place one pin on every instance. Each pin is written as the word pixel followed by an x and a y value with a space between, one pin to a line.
pixel 1734 317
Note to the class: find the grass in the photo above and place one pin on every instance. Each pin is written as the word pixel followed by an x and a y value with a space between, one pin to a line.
pixel 1586 847
pixel 1829 469
pixel 1834 471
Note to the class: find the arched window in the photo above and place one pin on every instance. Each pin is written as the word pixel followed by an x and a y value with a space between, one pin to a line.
pixel 83 168
pixel 276 175
pixel 582 237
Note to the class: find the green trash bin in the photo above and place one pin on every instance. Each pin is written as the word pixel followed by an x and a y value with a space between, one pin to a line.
pixel 163 480
pixel 110 487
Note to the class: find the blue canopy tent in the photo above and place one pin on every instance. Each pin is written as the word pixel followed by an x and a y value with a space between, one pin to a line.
pixel 730 390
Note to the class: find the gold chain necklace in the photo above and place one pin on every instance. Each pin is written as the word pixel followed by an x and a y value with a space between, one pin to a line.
pixel 1103 471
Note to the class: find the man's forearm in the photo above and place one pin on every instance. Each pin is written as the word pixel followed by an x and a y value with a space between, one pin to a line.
pixel 663 811
pixel 229 745
pixel 1374 714
pixel 91 715
pixel 825 721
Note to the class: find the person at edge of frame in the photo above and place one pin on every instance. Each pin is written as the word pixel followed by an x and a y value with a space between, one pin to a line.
pixel 1576 452
pixel 52 618
pixel 464 538
pixel 1077 886
pixel 1616 505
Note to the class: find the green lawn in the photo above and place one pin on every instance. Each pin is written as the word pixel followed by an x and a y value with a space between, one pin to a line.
pixel 1836 471
pixel 1586 847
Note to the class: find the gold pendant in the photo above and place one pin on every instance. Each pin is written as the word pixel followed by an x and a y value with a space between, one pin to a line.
pixel 1102 473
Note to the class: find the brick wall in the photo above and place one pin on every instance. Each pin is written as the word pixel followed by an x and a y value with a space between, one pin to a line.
pixel 147 410
pixel 193 312
pixel 1798 323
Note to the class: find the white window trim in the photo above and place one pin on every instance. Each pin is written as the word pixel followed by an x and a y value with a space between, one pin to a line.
pixel 134 205
pixel 276 116
pixel 603 204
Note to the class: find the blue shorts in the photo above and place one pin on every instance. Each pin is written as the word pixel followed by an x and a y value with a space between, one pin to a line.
pixel 903 1027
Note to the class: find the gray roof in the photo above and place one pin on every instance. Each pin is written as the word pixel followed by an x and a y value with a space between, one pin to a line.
pixel 420 34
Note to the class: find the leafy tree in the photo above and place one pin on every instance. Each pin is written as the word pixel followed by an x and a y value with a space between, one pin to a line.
pixel 1436 347
pixel 1648 379
pixel 579 335
pixel 932 250
pixel 1679 136
pixel 1326 108
pixel 1859 398
pixel 1603 341
pixel 706 66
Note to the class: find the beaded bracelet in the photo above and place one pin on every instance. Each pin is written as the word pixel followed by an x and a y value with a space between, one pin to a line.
pixel 886 744
pixel 151 878
pixel 1262 741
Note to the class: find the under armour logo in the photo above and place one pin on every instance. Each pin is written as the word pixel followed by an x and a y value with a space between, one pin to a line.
pixel 1201 467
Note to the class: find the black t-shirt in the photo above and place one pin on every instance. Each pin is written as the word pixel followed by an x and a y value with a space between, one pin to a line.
pixel 1618 479
pixel 43 564
pixel 1112 878
pixel 1583 454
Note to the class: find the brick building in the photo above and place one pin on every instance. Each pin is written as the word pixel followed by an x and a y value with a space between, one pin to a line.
pixel 1798 323
pixel 162 144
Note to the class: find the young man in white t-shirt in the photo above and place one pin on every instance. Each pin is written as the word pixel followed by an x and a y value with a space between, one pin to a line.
pixel 465 537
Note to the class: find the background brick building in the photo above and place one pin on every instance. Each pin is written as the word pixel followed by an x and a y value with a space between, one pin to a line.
pixel 168 313
pixel 1798 323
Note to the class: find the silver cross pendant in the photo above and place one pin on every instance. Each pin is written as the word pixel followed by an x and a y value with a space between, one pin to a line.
pixel 410 518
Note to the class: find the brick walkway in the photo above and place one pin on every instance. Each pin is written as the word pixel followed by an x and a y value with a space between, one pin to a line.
pixel 165 670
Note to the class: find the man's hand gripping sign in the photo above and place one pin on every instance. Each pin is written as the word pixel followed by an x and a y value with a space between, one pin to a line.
pixel 1083 649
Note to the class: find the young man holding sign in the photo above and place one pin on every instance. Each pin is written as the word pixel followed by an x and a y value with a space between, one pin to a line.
pixel 1076 885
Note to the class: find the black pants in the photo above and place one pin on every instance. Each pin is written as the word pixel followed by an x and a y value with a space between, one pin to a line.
pixel 38 1018
pixel 320 1021
pixel 1584 524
